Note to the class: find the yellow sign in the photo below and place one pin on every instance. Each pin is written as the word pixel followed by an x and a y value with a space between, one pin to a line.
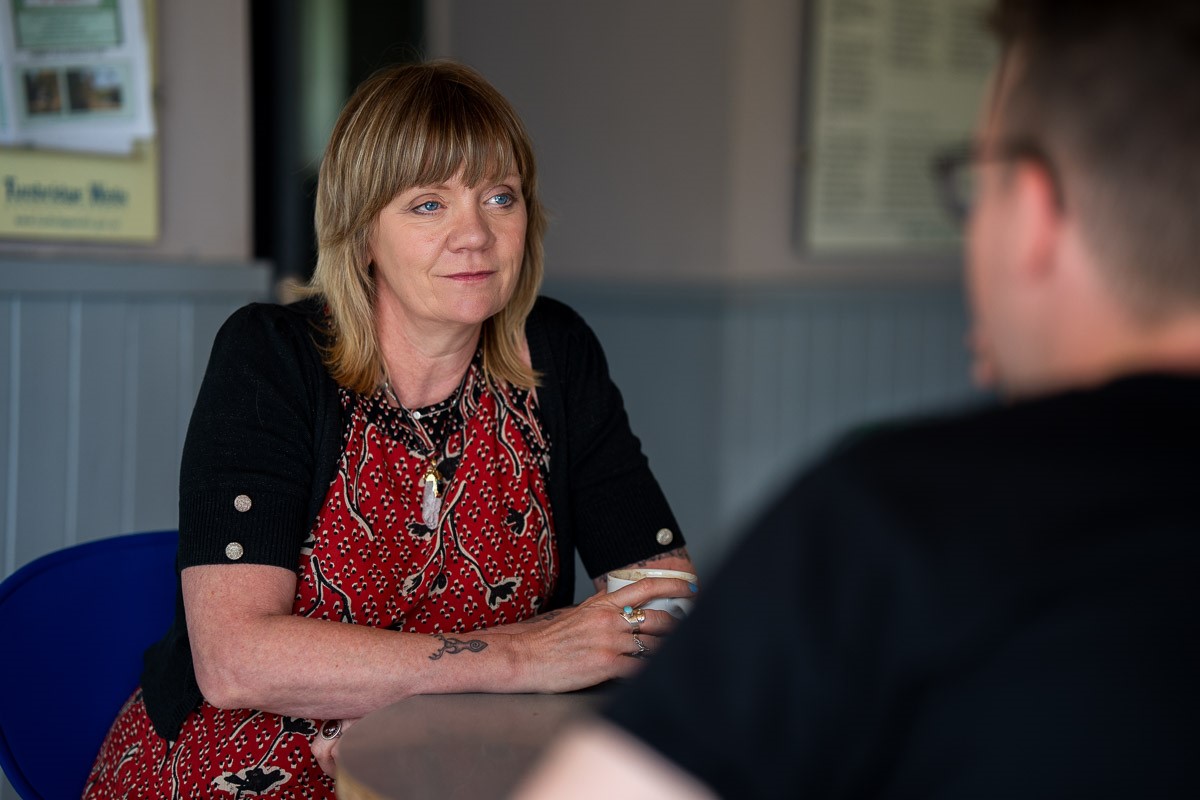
pixel 77 197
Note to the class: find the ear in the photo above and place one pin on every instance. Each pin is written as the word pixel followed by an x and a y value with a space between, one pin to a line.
pixel 1038 220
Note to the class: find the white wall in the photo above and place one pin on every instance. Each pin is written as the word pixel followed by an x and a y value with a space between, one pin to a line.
pixel 627 103
pixel 666 135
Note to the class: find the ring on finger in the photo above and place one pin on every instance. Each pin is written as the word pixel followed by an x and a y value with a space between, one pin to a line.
pixel 635 617
pixel 331 729
pixel 641 646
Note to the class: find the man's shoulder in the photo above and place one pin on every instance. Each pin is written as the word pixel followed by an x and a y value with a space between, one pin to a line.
pixel 952 434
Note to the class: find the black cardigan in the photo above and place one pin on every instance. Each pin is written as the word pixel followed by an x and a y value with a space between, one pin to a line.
pixel 268 425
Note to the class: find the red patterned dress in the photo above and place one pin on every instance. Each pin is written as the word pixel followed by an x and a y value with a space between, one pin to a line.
pixel 370 559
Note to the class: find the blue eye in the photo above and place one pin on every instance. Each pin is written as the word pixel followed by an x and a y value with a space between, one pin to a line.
pixel 503 199
pixel 428 207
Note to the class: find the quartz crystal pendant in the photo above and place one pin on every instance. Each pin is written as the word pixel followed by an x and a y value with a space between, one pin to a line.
pixel 431 498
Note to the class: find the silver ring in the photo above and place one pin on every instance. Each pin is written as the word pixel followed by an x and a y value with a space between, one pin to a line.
pixel 641 646
pixel 331 729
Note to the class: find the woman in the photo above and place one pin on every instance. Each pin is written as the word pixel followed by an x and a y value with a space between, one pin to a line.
pixel 416 450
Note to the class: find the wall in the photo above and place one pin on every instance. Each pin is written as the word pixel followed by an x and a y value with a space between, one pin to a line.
pixel 102 347
pixel 203 104
pixel 732 392
pixel 100 370
pixel 627 104
pixel 667 147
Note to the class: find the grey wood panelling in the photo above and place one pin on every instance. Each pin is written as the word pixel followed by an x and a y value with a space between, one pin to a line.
pixel 44 351
pixel 805 368
pixel 101 447
pixel 10 316
pixel 101 364
pixel 732 392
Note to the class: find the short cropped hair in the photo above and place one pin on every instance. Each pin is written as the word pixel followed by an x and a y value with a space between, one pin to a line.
pixel 1110 91
pixel 405 126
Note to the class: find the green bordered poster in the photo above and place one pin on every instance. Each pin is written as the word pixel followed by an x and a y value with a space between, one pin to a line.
pixel 59 193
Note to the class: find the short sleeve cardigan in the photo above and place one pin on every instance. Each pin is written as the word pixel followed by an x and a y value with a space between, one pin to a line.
pixel 266 434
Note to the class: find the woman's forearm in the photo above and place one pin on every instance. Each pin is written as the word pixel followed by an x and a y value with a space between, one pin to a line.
pixel 316 668
pixel 249 651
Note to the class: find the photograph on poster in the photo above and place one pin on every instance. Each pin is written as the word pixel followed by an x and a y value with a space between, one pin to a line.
pixel 41 92
pixel 95 88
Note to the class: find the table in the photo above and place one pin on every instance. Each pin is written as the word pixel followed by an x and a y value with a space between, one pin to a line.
pixel 452 746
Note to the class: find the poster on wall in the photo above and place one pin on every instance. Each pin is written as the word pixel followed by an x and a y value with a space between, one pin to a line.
pixel 889 86
pixel 78 156
pixel 76 75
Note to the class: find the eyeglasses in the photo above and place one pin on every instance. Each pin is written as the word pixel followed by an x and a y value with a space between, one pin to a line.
pixel 955 170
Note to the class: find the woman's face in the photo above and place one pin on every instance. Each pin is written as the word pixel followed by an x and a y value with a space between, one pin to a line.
pixel 448 256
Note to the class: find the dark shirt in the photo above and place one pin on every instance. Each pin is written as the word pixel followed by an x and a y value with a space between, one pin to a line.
pixel 997 605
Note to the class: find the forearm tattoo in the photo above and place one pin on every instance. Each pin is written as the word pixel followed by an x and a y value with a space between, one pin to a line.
pixel 678 552
pixel 454 646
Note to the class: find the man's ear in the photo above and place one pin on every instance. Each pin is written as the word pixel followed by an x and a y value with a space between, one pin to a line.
pixel 1038 221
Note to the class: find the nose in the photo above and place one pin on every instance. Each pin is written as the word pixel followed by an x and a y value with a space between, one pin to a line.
pixel 471 230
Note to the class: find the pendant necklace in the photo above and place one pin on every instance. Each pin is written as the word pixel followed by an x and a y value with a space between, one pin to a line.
pixel 436 474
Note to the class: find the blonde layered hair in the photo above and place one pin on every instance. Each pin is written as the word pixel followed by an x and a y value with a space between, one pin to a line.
pixel 405 126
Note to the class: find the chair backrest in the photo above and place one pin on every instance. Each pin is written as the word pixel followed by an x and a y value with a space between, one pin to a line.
pixel 74 624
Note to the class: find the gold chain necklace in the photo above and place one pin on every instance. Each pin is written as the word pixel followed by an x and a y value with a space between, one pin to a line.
pixel 432 479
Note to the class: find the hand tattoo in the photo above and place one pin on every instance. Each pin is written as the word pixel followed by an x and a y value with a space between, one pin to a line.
pixel 455 646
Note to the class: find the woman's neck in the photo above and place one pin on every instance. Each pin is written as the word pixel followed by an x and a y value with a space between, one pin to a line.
pixel 427 369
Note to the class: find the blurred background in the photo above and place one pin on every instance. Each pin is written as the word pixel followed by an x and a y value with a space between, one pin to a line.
pixel 673 139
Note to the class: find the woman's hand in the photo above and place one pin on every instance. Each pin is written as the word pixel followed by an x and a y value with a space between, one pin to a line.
pixel 325 750
pixel 583 645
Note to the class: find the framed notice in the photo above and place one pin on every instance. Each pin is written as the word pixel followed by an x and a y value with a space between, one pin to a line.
pixel 888 85
pixel 78 152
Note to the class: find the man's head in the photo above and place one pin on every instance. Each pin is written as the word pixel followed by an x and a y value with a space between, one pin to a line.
pixel 1089 159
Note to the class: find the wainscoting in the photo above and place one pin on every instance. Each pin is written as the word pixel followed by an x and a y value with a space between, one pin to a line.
pixel 100 366
pixel 732 392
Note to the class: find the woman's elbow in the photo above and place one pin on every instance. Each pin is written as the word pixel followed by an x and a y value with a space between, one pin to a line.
pixel 221 684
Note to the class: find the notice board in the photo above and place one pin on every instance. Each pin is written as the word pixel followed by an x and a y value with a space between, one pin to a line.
pixel 78 151
pixel 887 86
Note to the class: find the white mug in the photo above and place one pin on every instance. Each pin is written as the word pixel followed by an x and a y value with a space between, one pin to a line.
pixel 678 607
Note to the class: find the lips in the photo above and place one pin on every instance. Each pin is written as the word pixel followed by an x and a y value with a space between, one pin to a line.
pixel 471 277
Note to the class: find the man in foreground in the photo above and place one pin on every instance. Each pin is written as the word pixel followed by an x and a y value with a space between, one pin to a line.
pixel 1002 603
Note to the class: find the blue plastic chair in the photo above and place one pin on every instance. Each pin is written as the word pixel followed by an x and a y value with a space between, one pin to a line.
pixel 74 624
